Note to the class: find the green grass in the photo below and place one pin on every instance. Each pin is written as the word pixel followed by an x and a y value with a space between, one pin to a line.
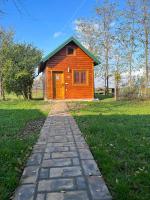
pixel 118 134
pixel 14 146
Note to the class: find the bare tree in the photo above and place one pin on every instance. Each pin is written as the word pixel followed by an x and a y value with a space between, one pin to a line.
pixel 122 33
pixel 106 13
pixel 131 36
pixel 87 33
pixel 145 25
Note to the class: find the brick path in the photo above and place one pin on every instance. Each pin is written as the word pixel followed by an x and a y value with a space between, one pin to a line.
pixel 61 166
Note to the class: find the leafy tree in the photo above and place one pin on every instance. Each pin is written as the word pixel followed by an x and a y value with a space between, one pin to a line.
pixel 6 42
pixel 20 74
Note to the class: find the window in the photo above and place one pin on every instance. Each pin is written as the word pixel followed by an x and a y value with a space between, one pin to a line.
pixel 80 77
pixel 70 51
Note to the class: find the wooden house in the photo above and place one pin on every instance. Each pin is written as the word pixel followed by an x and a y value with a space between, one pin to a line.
pixel 68 72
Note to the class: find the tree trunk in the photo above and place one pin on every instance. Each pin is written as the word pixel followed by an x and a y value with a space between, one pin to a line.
pixel 131 57
pixel 2 90
pixel 116 91
pixel 107 75
pixel 25 95
pixel 145 23
pixel 130 74
pixel 105 83
pixel 146 61
pixel 107 87
pixel 30 93
pixel 0 87
pixel 3 93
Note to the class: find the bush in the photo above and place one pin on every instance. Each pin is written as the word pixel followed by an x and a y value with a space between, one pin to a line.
pixel 129 92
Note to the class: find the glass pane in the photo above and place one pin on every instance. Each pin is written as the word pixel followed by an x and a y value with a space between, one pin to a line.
pixel 70 50
pixel 76 77
pixel 83 77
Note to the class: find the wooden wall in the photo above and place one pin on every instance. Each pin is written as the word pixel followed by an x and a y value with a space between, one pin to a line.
pixel 60 62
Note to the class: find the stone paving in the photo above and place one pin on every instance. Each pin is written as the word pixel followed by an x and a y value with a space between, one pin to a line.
pixel 61 166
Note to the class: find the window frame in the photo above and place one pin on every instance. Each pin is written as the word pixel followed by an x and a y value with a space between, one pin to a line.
pixel 87 77
pixel 67 51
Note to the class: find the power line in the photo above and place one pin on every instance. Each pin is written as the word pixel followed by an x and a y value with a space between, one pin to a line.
pixel 74 14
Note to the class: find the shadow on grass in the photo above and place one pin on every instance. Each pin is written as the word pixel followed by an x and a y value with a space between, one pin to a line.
pixel 14 147
pixel 37 99
pixel 120 145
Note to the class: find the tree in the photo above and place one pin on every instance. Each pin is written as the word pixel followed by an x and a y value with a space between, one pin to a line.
pixel 124 33
pixel 97 35
pixel 145 25
pixel 6 41
pixel 87 33
pixel 20 74
pixel 117 77
pixel 106 14
pixel 131 38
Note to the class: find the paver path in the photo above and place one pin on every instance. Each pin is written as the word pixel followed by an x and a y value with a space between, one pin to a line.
pixel 61 166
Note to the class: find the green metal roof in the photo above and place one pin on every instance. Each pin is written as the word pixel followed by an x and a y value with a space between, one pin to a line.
pixel 71 39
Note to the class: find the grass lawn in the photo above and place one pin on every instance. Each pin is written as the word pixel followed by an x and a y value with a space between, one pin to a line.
pixel 14 145
pixel 118 134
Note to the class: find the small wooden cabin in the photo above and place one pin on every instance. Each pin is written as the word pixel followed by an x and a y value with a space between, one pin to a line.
pixel 68 72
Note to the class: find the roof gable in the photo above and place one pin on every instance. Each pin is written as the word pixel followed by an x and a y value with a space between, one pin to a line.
pixel 72 39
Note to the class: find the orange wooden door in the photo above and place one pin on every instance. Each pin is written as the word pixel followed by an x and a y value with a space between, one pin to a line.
pixel 58 85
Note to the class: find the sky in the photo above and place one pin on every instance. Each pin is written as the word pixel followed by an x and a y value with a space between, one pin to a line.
pixel 44 23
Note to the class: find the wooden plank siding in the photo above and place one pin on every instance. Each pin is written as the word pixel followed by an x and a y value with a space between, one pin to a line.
pixel 60 62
